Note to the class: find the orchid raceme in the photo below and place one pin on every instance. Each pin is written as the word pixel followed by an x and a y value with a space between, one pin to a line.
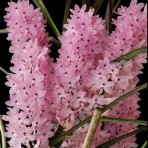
pixel 95 69
pixel 29 81
pixel 88 79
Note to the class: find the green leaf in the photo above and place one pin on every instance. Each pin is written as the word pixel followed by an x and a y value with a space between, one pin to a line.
pixel 56 42
pixel 3 31
pixel 65 134
pixel 120 120
pixel 96 5
pixel 41 5
pixel 2 131
pixel 58 139
pixel 115 140
pixel 57 133
pixel 144 144
pixel 67 12
pixel 3 70
pixel 131 54
pixel 108 16
pixel 37 3
pixel 116 6
pixel 124 97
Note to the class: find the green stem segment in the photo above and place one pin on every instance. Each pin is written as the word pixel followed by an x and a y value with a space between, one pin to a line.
pixel 115 140
pixel 67 12
pixel 40 4
pixel 56 42
pixel 124 97
pixel 61 137
pixel 144 144
pixel 116 6
pixel 92 128
pixel 131 54
pixel 3 70
pixel 57 140
pixel 96 5
pixel 120 120
pixel 2 131
pixel 108 16
pixel 3 31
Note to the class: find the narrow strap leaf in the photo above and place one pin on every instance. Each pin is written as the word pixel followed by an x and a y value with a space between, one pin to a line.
pixel 124 97
pixel 58 139
pixel 120 120
pixel 96 5
pixel 144 144
pixel 56 42
pixel 2 131
pixel 49 19
pixel 108 16
pixel 92 128
pixel 3 31
pixel 113 2
pixel 41 5
pixel 115 140
pixel 3 70
pixel 37 3
pixel 116 6
pixel 131 54
pixel 67 12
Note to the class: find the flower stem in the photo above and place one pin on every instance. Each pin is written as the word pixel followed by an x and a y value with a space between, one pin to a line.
pixel 108 16
pixel 124 97
pixel 3 31
pixel 3 70
pixel 115 140
pixel 2 133
pixel 92 128
pixel 67 12
pixel 144 144
pixel 131 54
pixel 56 42
pixel 116 6
pixel 49 19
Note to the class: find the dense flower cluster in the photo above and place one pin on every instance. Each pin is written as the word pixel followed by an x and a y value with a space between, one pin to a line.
pixel 88 79
pixel 44 95
pixel 30 115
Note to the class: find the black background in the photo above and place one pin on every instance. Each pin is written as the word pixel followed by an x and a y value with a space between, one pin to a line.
pixel 56 10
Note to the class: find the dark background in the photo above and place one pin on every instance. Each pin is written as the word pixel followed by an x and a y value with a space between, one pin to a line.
pixel 56 10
